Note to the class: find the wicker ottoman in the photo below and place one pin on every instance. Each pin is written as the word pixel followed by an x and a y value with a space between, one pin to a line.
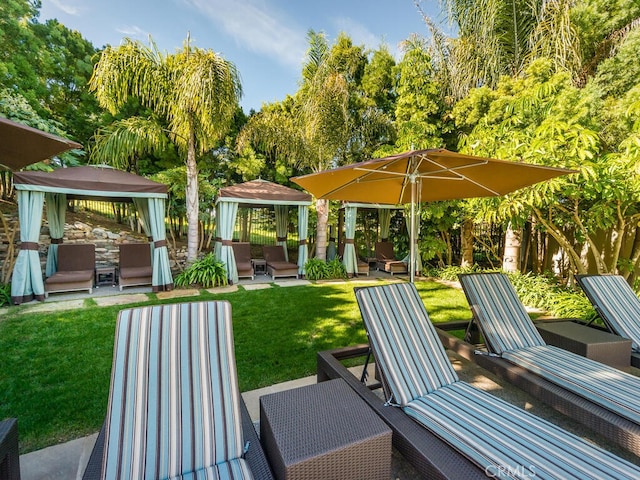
pixel 324 431
pixel 9 459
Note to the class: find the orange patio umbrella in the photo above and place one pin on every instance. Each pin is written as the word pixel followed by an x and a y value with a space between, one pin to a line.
pixel 422 176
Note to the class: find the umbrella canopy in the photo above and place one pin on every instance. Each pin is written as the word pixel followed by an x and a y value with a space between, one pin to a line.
pixel 422 176
pixel 21 145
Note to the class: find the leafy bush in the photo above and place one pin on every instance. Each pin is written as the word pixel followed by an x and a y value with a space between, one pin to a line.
pixel 336 269
pixel 5 294
pixel 317 269
pixel 206 272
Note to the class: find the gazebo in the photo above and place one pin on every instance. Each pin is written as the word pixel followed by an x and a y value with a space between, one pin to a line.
pixel 97 182
pixel 256 194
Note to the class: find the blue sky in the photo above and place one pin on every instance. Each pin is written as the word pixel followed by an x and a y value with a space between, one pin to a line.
pixel 265 39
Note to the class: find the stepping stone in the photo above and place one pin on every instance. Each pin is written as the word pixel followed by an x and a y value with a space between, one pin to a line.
pixel 121 299
pixel 178 293
pixel 225 289
pixel 256 286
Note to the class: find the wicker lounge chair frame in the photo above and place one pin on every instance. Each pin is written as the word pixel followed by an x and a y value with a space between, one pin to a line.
pixel 603 420
pixel 277 265
pixel 9 456
pixel 146 408
pixel 135 267
pixel 386 260
pixel 617 305
pixel 76 269
pixel 242 254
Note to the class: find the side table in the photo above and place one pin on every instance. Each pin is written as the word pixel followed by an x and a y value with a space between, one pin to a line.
pixel 324 431
pixel 259 266
pixel 589 342
pixel 9 458
pixel 105 275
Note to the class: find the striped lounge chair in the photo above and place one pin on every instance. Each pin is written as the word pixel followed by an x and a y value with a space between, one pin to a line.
pixel 510 334
pixel 617 305
pixel 175 411
pixel 502 440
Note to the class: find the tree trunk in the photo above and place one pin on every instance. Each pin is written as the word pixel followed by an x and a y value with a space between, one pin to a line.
pixel 322 209
pixel 466 243
pixel 192 201
pixel 512 244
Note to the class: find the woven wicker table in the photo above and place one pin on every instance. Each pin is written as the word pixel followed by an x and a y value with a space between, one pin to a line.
pixel 324 431
pixel 589 342
pixel 9 459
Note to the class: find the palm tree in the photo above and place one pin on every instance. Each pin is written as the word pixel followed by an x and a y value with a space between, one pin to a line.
pixel 192 96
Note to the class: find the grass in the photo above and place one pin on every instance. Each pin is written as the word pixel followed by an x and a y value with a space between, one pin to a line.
pixel 55 367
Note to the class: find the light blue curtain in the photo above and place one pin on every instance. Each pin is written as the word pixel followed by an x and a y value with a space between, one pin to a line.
pixel 303 231
pixel 282 218
pixel 151 212
pixel 350 258
pixel 26 281
pixel 227 213
pixel 384 219
pixel 56 211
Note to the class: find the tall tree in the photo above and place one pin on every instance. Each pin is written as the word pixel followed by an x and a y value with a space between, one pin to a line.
pixel 326 123
pixel 192 96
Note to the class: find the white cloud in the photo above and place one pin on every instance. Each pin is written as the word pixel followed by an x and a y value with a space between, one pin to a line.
pixel 66 7
pixel 134 32
pixel 257 28
pixel 358 33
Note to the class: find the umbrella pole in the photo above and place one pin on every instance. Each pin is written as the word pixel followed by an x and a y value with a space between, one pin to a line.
pixel 412 233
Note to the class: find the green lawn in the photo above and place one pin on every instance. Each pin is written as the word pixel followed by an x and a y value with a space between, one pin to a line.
pixel 55 367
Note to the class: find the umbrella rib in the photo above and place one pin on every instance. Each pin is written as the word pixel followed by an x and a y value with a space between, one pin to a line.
pixel 460 176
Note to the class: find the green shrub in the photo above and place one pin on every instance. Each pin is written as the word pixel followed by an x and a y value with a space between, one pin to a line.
pixel 336 269
pixel 207 272
pixel 5 294
pixel 315 269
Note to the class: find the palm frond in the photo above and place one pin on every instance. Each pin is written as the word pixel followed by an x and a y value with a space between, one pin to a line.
pixel 123 142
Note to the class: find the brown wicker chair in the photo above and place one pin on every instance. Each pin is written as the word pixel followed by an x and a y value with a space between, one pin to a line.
pixel 277 265
pixel 242 253
pixel 76 269
pixel 386 260
pixel 135 265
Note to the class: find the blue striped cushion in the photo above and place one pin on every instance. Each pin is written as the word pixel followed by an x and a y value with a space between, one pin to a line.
pixel 174 404
pixel 228 470
pixel 405 343
pixel 606 386
pixel 502 318
pixel 503 439
pixel 616 303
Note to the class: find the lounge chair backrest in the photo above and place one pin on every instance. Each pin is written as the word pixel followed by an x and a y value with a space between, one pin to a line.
pixel 134 255
pixel 384 251
pixel 76 257
pixel 174 402
pixel 405 344
pixel 241 251
pixel 616 303
pixel 502 318
pixel 273 253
